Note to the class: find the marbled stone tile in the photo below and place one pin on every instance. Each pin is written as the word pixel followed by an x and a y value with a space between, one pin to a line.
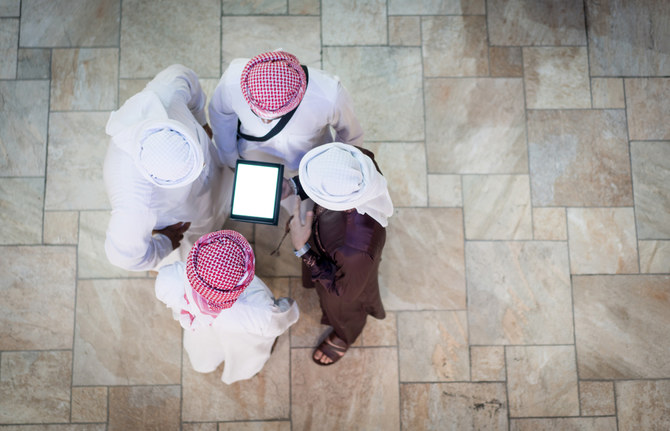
pixel 395 161
pixel 130 87
pixel 643 405
pixel 246 229
pixel 144 408
pixel 380 332
pixel 34 63
pixel 67 23
pixel 487 363
pixel 519 293
pixel 433 346
pixel 254 7
pixel 445 191
pixel 550 224
pixel 648 102
pixel 506 61
pixel 404 30
pixel 579 158
pixel 21 201
pixel 10 7
pixel 9 41
pixel 564 424
pixel 362 400
pixel 77 148
pixel 556 77
pixel 61 227
pixel 651 176
pixel 475 126
pixel 304 7
pixel 84 79
pixel 38 288
pixel 654 256
pixel 265 396
pixel 497 207
pixel 630 39
pixel 255 426
pixel 157 34
pixel 453 406
pixel 35 387
pixel 247 36
pixel 113 346
pixel 530 22
pixel 23 127
pixel 307 331
pixel 266 239
pixel 363 22
pixel 412 234
pixel 597 398
pixel 607 93
pixel 56 427
pixel 602 241
pixel 89 404
pixel 621 326
pixel 378 78
pixel 454 46
pixel 542 381
pixel 436 7
pixel 206 426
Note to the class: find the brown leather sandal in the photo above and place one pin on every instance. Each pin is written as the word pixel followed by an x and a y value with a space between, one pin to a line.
pixel 331 347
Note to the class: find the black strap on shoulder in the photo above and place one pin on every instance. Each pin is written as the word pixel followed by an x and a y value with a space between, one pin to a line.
pixel 276 129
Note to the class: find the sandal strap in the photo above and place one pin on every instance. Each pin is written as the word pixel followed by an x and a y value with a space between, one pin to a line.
pixel 332 350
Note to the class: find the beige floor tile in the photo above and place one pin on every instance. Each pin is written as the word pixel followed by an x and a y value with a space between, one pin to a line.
pixel 265 396
pixel 77 148
pixel 654 256
pixel 454 46
pixel 643 405
pixel 364 21
pixel 436 7
pixel 414 233
pixel 21 200
pixel 542 381
pixel 475 126
pixel 208 426
pixel 651 176
pixel 373 92
pixel 621 326
pixel 84 79
pixel 38 288
pixel 362 400
pixel 65 23
pixel 10 7
pixel 89 404
pixel 144 408
pixel 307 331
pixel 454 406
pixel 497 207
pixel 563 424
pixel 130 87
pixel 602 241
pixel 628 40
pixel 404 30
pixel 23 127
pixel 57 427
pixel 433 346
pixel 518 293
pixel 647 102
pixel 380 332
pixel 556 77
pixel 579 158
pixel 487 363
pixel 61 227
pixel 607 93
pixel 255 426
pixel 445 191
pixel 35 387
pixel 597 398
pixel 247 36
pixel 529 22
pixel 304 7
pixel 254 7
pixel 506 61
pixel 120 329
pixel 266 239
pixel 9 41
pixel 550 224
pixel 34 63
pixel 153 37
pixel 395 161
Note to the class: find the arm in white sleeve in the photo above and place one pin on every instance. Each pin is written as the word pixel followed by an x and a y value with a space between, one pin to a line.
pixel 224 123
pixel 347 128
pixel 284 314
pixel 178 82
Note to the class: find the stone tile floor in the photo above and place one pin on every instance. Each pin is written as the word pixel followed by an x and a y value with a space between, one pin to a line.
pixel 527 269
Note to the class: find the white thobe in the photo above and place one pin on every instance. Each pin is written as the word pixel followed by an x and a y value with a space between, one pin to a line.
pixel 326 108
pixel 139 206
pixel 241 336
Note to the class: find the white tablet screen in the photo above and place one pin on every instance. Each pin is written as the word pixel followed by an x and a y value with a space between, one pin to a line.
pixel 255 193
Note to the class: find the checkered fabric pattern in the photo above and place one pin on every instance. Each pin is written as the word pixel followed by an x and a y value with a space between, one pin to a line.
pixel 219 267
pixel 273 84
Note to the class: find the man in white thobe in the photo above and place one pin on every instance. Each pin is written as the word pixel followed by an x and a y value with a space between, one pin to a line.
pixel 165 181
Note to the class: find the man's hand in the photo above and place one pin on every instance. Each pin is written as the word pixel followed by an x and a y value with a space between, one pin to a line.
pixel 208 130
pixel 300 232
pixel 286 189
pixel 175 232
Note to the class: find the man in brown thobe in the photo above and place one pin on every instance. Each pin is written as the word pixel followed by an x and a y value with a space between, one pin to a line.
pixel 341 241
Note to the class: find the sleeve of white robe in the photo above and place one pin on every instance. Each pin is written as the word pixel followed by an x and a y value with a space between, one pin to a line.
pixel 178 83
pixel 170 291
pixel 224 119
pixel 347 128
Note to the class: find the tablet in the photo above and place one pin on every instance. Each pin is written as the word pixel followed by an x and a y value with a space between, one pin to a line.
pixel 257 192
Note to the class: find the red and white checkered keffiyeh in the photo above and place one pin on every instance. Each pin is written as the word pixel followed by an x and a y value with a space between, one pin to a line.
pixel 219 267
pixel 273 84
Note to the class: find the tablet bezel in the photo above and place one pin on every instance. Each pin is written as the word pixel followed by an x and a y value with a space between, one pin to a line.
pixel 278 191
